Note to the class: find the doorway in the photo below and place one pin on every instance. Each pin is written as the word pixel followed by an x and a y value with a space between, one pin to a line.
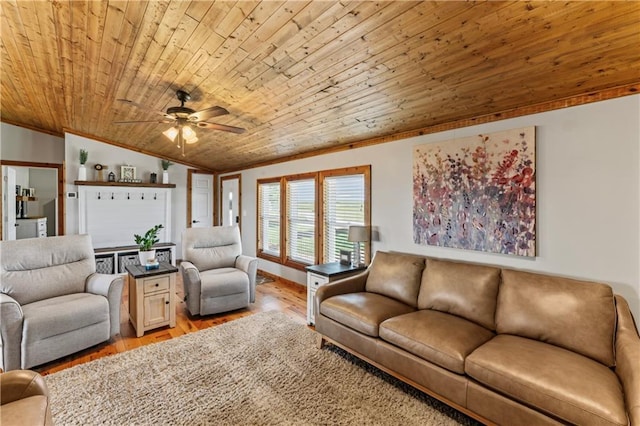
pixel 200 199
pixel 32 199
pixel 230 200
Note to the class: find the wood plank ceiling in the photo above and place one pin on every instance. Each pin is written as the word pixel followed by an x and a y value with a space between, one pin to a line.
pixel 301 76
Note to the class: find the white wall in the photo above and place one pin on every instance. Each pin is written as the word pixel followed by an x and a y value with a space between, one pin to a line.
pixel 114 157
pixel 588 195
pixel 20 144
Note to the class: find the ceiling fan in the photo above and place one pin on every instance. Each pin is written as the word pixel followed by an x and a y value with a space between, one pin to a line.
pixel 184 118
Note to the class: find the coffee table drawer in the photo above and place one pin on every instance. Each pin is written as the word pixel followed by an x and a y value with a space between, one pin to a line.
pixel 153 284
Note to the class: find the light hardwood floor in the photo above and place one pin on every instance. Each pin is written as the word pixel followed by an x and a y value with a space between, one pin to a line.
pixel 281 295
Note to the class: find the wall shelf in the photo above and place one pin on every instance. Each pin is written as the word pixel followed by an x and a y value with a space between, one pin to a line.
pixel 25 198
pixel 132 184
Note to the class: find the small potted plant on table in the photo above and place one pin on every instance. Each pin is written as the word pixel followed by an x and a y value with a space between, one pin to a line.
pixel 145 244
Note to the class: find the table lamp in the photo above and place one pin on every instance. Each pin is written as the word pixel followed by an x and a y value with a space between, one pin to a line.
pixel 357 235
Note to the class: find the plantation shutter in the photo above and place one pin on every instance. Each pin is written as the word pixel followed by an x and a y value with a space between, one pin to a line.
pixel 301 218
pixel 269 218
pixel 344 198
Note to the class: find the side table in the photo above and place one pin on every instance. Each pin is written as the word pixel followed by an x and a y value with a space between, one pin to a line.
pixel 152 297
pixel 319 275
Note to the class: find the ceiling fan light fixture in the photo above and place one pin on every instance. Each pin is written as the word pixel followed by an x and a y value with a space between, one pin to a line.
pixel 185 119
pixel 171 133
pixel 188 134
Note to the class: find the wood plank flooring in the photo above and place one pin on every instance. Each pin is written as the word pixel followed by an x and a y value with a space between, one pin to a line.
pixel 279 294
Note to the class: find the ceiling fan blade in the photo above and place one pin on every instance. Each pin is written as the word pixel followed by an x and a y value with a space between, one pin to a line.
pixel 148 121
pixel 222 127
pixel 127 101
pixel 205 114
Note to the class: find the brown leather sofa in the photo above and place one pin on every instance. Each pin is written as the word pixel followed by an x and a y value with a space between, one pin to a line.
pixel 24 399
pixel 504 346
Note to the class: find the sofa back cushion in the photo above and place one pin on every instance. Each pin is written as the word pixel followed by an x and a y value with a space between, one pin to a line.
pixel 576 315
pixel 212 248
pixel 396 275
pixel 463 289
pixel 41 268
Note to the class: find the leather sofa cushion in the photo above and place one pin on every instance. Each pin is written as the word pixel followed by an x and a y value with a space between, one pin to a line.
pixel 576 315
pixel 396 275
pixel 362 312
pixel 560 382
pixel 440 338
pixel 33 410
pixel 463 289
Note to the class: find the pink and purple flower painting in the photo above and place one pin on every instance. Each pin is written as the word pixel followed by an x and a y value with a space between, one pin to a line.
pixel 477 193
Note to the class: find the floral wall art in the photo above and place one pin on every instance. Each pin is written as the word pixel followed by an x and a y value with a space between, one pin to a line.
pixel 477 193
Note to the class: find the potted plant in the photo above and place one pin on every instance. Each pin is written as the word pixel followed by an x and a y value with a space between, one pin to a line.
pixel 82 171
pixel 145 243
pixel 165 170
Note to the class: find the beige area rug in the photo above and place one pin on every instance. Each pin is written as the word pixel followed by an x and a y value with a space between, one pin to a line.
pixel 259 370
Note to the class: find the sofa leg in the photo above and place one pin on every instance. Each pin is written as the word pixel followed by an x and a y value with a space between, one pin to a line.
pixel 320 341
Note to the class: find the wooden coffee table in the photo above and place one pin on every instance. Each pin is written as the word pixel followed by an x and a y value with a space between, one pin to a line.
pixel 152 297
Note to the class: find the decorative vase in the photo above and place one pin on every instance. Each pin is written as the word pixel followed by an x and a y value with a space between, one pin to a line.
pixel 82 172
pixel 147 256
pixel 165 177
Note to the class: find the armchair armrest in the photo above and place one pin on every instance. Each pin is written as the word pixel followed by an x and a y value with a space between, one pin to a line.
pixel 627 356
pixel 250 266
pixel 11 318
pixel 109 286
pixel 20 384
pixel 192 283
pixel 353 284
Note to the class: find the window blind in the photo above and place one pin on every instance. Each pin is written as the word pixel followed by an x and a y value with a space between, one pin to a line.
pixel 343 204
pixel 301 218
pixel 269 218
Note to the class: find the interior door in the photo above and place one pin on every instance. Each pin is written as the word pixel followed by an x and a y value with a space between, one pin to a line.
pixel 8 203
pixel 230 201
pixel 201 200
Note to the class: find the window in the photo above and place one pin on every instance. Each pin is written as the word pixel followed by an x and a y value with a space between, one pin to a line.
pixel 344 205
pixel 301 220
pixel 311 223
pixel 269 218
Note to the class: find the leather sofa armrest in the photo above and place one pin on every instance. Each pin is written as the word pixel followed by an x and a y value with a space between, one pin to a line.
pixel 109 286
pixel 627 356
pixel 192 283
pixel 353 284
pixel 11 318
pixel 250 266
pixel 20 384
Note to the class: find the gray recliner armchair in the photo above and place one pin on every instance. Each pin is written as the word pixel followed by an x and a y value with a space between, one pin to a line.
pixel 52 303
pixel 217 277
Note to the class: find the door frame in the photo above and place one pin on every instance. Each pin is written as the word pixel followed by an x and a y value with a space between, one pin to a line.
pixel 190 173
pixel 230 177
pixel 61 199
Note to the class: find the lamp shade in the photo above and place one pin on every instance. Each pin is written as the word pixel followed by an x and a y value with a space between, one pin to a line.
pixel 171 133
pixel 358 234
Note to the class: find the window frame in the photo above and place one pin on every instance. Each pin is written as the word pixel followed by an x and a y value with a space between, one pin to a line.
pixel 259 251
pixel 319 177
pixel 287 260
pixel 363 170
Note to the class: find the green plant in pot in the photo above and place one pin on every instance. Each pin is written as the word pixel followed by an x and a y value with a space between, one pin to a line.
pixel 145 244
pixel 82 171
pixel 165 170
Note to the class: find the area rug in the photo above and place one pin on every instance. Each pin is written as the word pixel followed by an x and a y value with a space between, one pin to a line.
pixel 259 370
